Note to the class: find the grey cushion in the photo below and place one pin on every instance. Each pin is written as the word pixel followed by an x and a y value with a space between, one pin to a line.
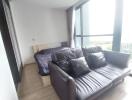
pixel 97 60
pixel 79 67
pixel 64 65
pixel 88 51
pixel 63 57
pixel 78 52
pixel 64 54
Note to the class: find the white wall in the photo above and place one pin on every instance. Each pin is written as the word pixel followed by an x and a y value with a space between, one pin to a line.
pixel 7 87
pixel 37 25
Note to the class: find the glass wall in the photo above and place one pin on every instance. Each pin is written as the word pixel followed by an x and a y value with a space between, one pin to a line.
pixel 95 24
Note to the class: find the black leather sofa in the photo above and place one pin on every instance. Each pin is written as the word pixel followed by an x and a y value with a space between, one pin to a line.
pixel 94 83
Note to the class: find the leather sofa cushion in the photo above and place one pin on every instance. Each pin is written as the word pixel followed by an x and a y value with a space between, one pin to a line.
pixel 88 51
pixel 97 60
pixel 91 50
pixel 63 57
pixel 64 64
pixel 112 72
pixel 77 51
pixel 79 67
pixel 90 84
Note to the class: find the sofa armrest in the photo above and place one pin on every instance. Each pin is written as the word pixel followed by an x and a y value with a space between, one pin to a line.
pixel 62 82
pixel 117 58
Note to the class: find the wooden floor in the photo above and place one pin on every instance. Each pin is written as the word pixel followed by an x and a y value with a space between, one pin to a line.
pixel 32 88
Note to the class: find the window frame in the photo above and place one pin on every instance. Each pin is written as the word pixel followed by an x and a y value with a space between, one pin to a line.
pixel 117 30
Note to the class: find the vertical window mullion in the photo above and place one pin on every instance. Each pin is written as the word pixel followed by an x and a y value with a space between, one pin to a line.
pixel 118 26
pixel 81 20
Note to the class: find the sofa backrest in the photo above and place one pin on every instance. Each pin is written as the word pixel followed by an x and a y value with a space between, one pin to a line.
pixel 72 52
pixel 91 50
pixel 62 58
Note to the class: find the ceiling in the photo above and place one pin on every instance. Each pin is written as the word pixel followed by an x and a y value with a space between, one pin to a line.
pixel 54 3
